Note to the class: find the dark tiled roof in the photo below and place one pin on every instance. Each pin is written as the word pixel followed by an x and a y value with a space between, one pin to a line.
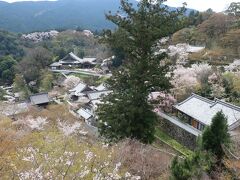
pixel 38 99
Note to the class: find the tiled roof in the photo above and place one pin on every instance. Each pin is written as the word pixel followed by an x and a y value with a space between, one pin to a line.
pixel 55 64
pixel 70 58
pixel 203 109
pixel 88 60
pixel 38 99
pixel 79 89
pixel 98 94
pixel 101 87
pixel 75 57
pixel 85 113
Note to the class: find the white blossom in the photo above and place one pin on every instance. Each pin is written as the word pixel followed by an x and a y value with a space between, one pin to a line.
pixel 33 174
pixel 69 129
pixel 89 155
pixel 33 123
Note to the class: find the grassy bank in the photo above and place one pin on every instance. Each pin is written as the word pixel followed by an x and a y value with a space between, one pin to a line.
pixel 163 137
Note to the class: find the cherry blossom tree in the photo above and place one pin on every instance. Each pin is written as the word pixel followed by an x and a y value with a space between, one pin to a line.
pixel 186 80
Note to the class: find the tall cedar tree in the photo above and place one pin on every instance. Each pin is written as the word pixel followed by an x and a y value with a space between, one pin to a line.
pixel 216 135
pixel 127 112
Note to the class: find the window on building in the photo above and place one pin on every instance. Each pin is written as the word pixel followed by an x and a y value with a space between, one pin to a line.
pixel 201 127
pixel 194 123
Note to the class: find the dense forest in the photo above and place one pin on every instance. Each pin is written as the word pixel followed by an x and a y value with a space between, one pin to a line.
pixel 217 31
pixel 46 15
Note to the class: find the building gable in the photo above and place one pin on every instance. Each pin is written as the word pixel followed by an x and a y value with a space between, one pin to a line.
pixel 70 58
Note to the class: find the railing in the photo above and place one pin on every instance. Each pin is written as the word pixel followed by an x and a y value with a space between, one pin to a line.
pixel 234 125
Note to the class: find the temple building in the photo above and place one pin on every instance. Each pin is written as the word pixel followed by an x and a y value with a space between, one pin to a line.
pixel 199 111
pixel 73 61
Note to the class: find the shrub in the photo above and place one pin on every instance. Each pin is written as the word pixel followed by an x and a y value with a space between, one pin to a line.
pixel 216 135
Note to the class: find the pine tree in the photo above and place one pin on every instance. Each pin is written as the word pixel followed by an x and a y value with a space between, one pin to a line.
pixel 191 167
pixel 126 112
pixel 216 135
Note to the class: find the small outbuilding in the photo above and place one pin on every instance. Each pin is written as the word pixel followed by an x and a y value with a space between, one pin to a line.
pixel 87 114
pixel 41 99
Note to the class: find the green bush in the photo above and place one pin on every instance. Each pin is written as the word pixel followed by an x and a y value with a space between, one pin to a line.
pixel 216 135
pixel 192 167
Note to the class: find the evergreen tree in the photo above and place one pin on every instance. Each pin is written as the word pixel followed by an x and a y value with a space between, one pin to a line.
pixel 46 81
pixel 7 73
pixel 126 112
pixel 192 167
pixel 2 94
pixel 81 53
pixel 20 85
pixel 216 135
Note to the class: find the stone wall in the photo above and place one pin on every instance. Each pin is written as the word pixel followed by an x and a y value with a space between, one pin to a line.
pixel 187 139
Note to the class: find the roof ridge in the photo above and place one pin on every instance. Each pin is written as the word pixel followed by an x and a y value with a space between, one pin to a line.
pixel 227 104
pixel 196 96
pixel 39 94
pixel 75 56
pixel 203 98
pixel 91 92
pixel 190 97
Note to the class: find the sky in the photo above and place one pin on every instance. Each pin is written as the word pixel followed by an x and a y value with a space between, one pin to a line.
pixel 200 5
pixel 11 1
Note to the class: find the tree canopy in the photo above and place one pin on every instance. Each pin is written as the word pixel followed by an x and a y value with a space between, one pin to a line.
pixel 127 112
pixel 234 9
pixel 35 60
pixel 7 70
pixel 216 135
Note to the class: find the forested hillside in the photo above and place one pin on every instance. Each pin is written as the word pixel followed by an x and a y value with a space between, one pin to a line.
pixel 62 14
pixel 10 44
pixel 19 55
pixel 218 32
pixel 45 15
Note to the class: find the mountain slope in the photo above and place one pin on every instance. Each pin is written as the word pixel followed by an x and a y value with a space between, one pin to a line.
pixel 37 16
pixel 45 15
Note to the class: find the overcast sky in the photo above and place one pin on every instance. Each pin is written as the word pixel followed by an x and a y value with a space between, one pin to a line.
pixel 201 5
pixel 10 1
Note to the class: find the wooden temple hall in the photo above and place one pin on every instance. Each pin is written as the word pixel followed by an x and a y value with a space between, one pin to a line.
pixel 198 112
pixel 72 60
